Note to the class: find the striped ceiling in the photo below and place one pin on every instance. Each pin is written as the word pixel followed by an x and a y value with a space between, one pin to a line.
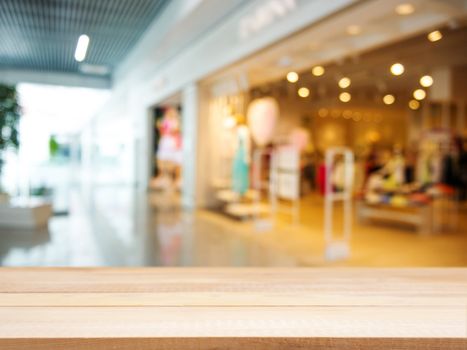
pixel 41 35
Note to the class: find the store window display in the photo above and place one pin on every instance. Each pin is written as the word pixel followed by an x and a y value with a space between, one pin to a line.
pixel 168 149
pixel 427 196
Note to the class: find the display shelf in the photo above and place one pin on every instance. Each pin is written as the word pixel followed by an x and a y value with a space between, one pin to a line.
pixel 420 216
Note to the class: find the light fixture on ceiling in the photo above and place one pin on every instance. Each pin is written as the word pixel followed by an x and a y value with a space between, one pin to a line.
pixel 426 81
pixel 405 9
pixel 292 77
pixel 414 105
pixel 357 116
pixel 435 36
pixel 317 71
pixel 94 69
pixel 323 112
pixel 419 94
pixel 354 29
pixel 303 92
pixel 230 122
pixel 347 114
pixel 389 99
pixel 81 48
pixel 344 82
pixel 397 69
pixel 345 97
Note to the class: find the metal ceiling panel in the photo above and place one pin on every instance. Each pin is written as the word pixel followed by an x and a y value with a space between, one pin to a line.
pixel 42 34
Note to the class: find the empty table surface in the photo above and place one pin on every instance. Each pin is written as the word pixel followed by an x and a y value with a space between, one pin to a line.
pixel 230 308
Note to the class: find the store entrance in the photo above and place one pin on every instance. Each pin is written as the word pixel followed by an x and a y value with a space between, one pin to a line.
pixel 400 120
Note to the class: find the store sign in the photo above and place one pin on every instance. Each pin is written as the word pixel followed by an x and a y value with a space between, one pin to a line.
pixel 264 16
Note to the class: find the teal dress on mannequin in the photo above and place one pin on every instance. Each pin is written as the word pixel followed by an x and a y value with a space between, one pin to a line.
pixel 240 170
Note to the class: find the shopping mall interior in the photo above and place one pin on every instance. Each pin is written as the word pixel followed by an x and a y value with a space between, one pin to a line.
pixel 233 133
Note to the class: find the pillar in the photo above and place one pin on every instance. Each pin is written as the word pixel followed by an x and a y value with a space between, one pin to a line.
pixel 190 107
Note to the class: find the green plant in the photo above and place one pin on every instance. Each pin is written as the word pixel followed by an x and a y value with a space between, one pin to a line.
pixel 9 120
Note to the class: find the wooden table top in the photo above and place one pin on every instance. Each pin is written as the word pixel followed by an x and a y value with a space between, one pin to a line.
pixel 229 308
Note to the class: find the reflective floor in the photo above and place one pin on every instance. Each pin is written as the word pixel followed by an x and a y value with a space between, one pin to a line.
pixel 119 226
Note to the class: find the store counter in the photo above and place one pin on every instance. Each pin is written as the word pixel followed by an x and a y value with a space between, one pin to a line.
pixel 230 308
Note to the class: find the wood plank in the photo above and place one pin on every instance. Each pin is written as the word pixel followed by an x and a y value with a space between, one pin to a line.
pixel 142 280
pixel 287 298
pixel 235 343
pixel 239 321
pixel 227 308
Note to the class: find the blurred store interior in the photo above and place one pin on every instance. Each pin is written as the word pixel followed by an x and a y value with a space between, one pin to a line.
pixel 233 133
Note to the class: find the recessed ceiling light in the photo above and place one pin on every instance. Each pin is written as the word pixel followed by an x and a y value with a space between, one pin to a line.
pixel 94 69
pixel 323 112
pixel 389 99
pixel 292 77
pixel 435 36
pixel 426 81
pixel 419 94
pixel 354 29
pixel 414 105
pixel 397 69
pixel 344 82
pixel 303 92
pixel 81 48
pixel 405 9
pixel 230 122
pixel 345 97
pixel 357 116
pixel 347 114
pixel 317 71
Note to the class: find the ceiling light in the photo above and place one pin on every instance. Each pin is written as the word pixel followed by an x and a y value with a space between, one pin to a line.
pixel 405 9
pixel 81 48
pixel 230 122
pixel 389 99
pixel 347 114
pixel 345 97
pixel 354 29
pixel 317 71
pixel 435 36
pixel 292 77
pixel 397 69
pixel 323 112
pixel 303 92
pixel 426 81
pixel 419 94
pixel 94 69
pixel 357 116
pixel 344 82
pixel 414 105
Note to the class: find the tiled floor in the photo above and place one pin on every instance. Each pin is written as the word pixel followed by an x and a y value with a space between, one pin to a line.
pixel 118 226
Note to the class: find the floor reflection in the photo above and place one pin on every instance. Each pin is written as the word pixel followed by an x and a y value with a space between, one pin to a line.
pixel 119 226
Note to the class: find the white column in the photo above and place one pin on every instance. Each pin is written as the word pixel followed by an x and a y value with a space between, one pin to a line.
pixel 190 108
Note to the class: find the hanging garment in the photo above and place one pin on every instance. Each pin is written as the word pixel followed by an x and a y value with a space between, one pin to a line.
pixel 240 170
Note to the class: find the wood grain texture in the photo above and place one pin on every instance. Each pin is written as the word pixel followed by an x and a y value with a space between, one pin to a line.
pixel 195 308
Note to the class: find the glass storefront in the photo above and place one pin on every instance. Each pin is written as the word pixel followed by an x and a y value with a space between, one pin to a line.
pixel 397 109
